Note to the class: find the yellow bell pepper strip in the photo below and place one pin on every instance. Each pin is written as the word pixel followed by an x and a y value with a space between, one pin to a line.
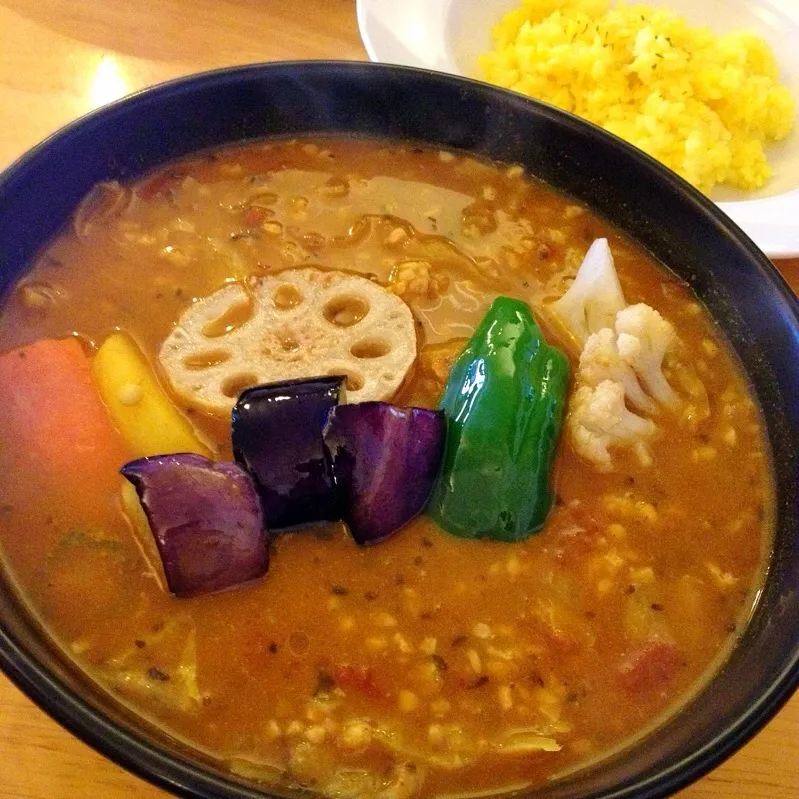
pixel 140 527
pixel 504 402
pixel 148 420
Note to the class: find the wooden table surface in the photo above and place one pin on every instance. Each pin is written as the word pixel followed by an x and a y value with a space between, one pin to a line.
pixel 58 60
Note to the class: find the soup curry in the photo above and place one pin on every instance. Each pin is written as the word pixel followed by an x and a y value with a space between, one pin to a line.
pixel 427 664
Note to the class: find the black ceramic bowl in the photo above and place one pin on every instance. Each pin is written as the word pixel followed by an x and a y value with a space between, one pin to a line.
pixel 750 302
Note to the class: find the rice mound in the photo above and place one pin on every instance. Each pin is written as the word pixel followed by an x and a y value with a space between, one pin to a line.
pixel 702 104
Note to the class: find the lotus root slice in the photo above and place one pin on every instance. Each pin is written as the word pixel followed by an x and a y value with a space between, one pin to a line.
pixel 296 324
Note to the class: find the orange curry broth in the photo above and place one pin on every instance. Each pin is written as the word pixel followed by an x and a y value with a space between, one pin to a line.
pixel 344 662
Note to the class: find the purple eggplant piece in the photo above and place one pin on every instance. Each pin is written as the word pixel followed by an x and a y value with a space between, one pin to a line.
pixel 206 518
pixel 386 460
pixel 277 436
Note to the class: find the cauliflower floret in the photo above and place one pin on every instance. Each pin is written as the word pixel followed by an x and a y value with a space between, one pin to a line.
pixel 598 419
pixel 643 337
pixel 595 297
pixel 600 360
pixel 621 361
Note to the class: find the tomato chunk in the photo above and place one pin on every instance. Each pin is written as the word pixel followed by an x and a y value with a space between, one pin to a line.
pixel 651 667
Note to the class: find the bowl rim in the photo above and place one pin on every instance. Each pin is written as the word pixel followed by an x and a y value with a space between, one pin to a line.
pixel 185 777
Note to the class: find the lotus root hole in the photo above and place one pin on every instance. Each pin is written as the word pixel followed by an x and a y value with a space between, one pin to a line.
pixel 205 360
pixel 354 381
pixel 345 310
pixel 371 348
pixel 287 297
pixel 231 319
pixel 233 386
pixel 288 342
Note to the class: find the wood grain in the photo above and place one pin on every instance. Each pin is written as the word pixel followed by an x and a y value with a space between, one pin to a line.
pixel 58 60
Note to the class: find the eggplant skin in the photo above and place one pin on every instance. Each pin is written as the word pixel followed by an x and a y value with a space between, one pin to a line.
pixel 277 437
pixel 206 518
pixel 385 460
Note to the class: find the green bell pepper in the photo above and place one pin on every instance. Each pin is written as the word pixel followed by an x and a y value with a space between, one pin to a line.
pixel 504 402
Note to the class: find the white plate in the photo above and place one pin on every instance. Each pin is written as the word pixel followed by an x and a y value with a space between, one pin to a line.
pixel 448 35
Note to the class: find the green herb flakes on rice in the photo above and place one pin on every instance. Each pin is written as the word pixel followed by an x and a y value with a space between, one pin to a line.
pixel 702 104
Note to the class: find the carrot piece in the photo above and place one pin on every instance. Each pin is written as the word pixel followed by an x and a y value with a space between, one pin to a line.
pixel 55 433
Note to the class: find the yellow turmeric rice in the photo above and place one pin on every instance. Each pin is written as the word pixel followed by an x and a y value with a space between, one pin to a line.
pixel 702 104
